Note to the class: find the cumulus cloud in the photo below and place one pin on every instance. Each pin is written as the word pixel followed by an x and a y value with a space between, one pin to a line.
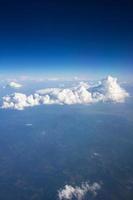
pixel 107 90
pixel 19 101
pixel 13 84
pixel 69 192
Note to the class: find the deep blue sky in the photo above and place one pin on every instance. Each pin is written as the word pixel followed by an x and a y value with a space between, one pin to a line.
pixel 66 37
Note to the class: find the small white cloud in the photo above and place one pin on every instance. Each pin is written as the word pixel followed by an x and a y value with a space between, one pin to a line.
pixel 108 90
pixel 28 124
pixel 14 85
pixel 96 154
pixel 69 192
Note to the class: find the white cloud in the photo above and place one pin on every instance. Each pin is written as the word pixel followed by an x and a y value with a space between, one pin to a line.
pixel 69 192
pixel 13 84
pixel 19 101
pixel 28 124
pixel 107 90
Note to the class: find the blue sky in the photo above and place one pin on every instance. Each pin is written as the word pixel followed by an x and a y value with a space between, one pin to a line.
pixel 66 38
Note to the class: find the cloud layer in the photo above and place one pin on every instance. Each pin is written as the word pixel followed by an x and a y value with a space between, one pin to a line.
pixel 108 90
pixel 69 192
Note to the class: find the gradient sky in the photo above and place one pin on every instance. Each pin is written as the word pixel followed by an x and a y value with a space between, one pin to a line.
pixel 66 37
